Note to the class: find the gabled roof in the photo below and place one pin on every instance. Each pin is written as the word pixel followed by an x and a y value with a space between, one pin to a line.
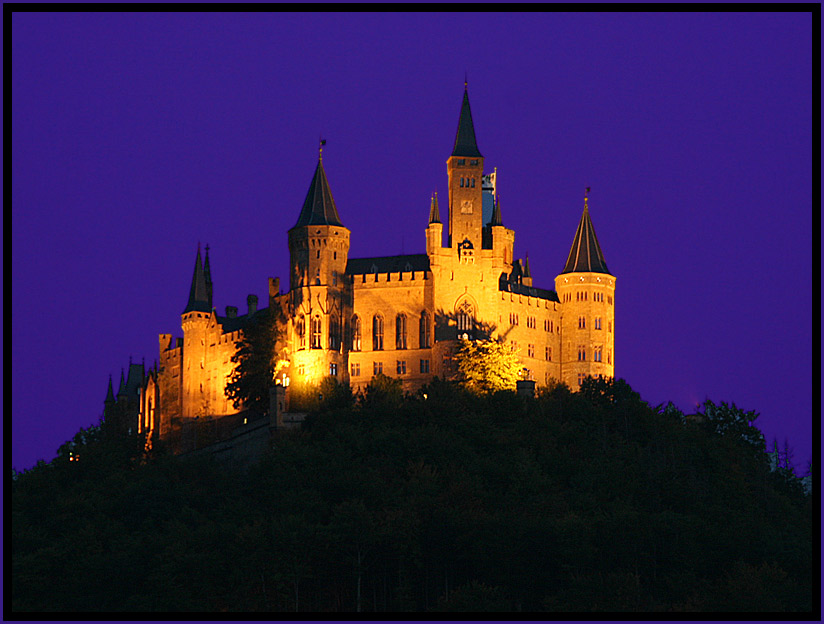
pixel 134 379
pixel 387 264
pixel 198 292
pixel 465 143
pixel 122 388
pixel 585 255
pixel 319 205
pixel 520 289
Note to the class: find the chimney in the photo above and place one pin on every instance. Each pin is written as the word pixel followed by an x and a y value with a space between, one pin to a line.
pixel 251 301
pixel 274 289
pixel 231 311
pixel 179 343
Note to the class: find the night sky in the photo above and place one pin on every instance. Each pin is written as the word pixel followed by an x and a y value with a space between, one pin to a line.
pixel 136 136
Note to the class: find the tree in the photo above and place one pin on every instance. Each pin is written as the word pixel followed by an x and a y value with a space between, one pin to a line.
pixel 256 362
pixel 486 366
pixel 729 420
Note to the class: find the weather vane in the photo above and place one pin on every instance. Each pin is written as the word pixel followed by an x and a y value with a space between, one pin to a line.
pixel 320 148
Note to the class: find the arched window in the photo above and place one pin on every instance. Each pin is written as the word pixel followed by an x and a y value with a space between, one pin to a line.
pixel 300 330
pixel 316 333
pixel 377 333
pixel 425 331
pixel 400 331
pixel 356 333
pixel 465 317
pixel 334 332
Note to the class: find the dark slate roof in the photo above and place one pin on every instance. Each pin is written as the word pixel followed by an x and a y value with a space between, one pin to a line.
pixel 526 267
pixel 239 322
pixel 496 213
pixel 387 264
pixel 520 289
pixel 465 143
pixel 319 206
pixel 585 255
pixel 110 393
pixel 207 274
pixel 134 380
pixel 122 388
pixel 198 293
pixel 434 213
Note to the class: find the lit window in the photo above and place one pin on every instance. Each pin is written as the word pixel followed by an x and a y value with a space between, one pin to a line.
pixel 400 331
pixel 333 369
pixel 425 332
pixel 356 333
pixel 316 332
pixel 377 333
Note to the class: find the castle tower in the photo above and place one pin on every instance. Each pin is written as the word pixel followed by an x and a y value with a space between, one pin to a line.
pixel 586 289
pixel 320 295
pixel 195 320
pixel 465 169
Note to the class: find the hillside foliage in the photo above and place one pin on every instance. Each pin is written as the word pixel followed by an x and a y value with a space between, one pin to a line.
pixel 569 502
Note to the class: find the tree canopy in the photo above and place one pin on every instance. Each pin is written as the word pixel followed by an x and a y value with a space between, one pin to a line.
pixel 445 500
pixel 255 362
pixel 486 366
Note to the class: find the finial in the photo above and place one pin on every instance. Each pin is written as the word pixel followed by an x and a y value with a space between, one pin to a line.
pixel 466 80
pixel 586 193
pixel 207 248
pixel 320 148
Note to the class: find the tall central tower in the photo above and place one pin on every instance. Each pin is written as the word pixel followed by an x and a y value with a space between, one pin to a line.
pixel 465 168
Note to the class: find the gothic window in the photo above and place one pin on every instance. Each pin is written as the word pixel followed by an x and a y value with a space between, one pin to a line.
pixel 473 182
pixel 356 333
pixel 425 331
pixel 300 329
pixel 377 333
pixel 400 331
pixel 465 315
pixel 334 333
pixel 597 322
pixel 316 333
pixel 462 182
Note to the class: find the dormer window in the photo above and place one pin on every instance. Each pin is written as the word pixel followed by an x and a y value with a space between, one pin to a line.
pixel 473 162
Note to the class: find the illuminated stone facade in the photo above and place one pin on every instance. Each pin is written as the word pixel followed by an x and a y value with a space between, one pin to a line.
pixel 399 315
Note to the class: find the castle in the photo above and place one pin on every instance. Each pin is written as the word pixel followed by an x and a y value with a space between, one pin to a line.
pixel 352 318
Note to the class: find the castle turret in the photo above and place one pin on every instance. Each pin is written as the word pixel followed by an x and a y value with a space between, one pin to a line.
pixel 465 169
pixel 109 403
pixel 434 233
pixel 194 322
pixel 586 289
pixel 320 296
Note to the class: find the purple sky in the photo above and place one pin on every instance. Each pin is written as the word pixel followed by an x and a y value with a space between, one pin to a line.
pixel 136 136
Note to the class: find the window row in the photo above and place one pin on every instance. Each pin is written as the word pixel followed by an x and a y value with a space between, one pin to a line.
pixel 584 296
pixel 356 332
pixel 467 182
pixel 597 354
pixel 377 368
pixel 582 323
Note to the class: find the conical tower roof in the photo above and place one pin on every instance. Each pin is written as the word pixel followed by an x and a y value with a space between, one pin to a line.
pixel 198 293
pixel 319 206
pixel 110 393
pixel 434 213
pixel 527 273
pixel 465 143
pixel 585 255
pixel 496 213
pixel 122 389
pixel 207 274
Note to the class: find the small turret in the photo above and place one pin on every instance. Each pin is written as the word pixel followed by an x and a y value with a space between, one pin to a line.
pixel 434 233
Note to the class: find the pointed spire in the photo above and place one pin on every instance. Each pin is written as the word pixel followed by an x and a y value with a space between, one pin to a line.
pixel 496 212
pixel 319 205
pixel 110 392
pixel 465 143
pixel 434 213
pixel 207 274
pixel 585 255
pixel 526 266
pixel 198 294
pixel 122 389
